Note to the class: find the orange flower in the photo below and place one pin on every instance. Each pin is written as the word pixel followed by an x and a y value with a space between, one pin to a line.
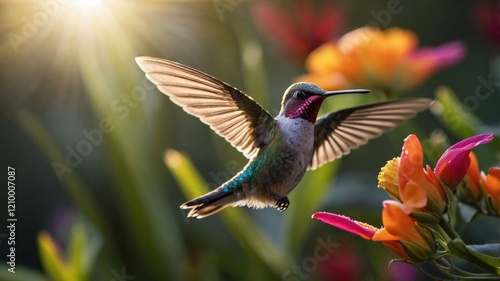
pixel 385 60
pixel 401 234
pixel 471 188
pixel 492 188
pixel 416 241
pixel 406 180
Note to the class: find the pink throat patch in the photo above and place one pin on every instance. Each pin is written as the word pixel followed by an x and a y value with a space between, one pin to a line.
pixel 307 109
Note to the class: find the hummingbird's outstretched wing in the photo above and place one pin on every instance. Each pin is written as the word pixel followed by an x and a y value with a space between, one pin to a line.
pixel 228 111
pixel 337 133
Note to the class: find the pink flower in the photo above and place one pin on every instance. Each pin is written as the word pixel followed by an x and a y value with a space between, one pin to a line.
pixel 401 234
pixel 361 229
pixel 454 163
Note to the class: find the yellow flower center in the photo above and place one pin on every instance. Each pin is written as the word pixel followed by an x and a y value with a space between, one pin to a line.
pixel 388 177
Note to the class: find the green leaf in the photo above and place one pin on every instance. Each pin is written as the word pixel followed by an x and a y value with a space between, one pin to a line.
pixel 52 259
pixel 490 250
pixel 452 114
pixel 252 64
pixel 84 246
pixel 185 174
pixel 76 255
pixel 244 230
pixel 474 254
pixel 461 122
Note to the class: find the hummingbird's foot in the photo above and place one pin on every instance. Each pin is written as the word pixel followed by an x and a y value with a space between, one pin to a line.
pixel 282 203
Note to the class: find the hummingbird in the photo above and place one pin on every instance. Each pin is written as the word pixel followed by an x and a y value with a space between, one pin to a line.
pixel 280 149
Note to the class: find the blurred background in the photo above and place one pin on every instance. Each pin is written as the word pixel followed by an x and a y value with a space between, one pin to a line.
pixel 103 160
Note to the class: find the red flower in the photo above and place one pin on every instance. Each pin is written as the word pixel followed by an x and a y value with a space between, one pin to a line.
pixel 487 16
pixel 302 29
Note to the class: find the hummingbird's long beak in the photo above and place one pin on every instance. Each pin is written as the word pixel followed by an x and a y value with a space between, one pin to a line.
pixel 349 91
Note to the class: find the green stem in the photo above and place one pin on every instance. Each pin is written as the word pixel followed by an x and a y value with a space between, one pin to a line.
pixel 450 270
pixel 448 230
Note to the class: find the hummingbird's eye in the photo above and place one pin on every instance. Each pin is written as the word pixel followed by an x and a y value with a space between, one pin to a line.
pixel 299 94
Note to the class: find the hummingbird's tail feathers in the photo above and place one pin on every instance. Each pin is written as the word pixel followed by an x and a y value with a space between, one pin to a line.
pixel 202 211
pixel 208 204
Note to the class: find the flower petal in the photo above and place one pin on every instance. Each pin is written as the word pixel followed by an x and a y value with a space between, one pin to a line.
pixel 326 59
pixel 400 228
pixel 426 61
pixel 472 187
pixel 300 28
pixel 442 56
pixel 414 196
pixel 345 223
pixel 386 60
pixel 397 222
pixel 454 163
pixel 277 24
pixel 492 183
pixel 329 81
pixel 411 164
pixel 397 248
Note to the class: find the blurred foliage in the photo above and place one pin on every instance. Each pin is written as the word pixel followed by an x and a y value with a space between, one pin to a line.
pixel 80 257
pixel 86 131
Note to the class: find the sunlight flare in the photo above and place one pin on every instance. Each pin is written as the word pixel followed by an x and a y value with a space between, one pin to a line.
pixel 87 4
